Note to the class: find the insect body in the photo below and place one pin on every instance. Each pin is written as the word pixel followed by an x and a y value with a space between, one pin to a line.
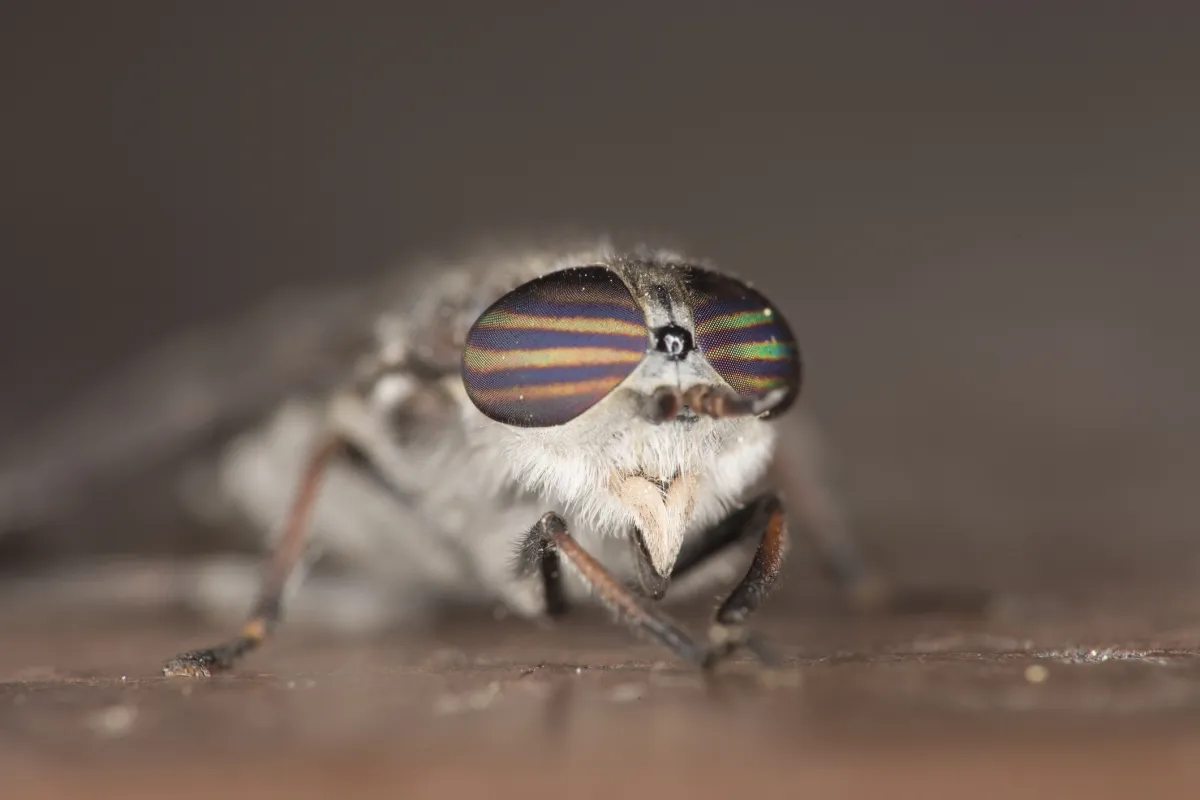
pixel 544 429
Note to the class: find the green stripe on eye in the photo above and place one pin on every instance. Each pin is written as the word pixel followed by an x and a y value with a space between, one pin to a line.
pixel 737 320
pixel 757 383
pixel 760 351
pixel 745 340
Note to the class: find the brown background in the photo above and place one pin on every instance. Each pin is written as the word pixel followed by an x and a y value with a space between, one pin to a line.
pixel 980 216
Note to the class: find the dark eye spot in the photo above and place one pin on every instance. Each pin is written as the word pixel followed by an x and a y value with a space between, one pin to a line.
pixel 675 341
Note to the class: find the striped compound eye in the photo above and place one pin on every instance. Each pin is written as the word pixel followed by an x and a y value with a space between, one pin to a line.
pixel 554 347
pixel 745 339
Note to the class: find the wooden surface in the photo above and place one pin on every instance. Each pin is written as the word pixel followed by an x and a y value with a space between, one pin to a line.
pixel 915 707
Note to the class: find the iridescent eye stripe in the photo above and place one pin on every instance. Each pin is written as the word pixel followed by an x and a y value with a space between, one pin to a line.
pixel 483 360
pixel 747 342
pixel 554 347
pixel 541 392
pixel 738 320
pixel 751 384
pixel 771 351
pixel 507 320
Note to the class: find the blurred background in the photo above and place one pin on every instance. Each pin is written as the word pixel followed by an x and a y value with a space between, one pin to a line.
pixel 980 218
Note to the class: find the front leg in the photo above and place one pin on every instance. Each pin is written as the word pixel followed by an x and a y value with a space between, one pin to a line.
pixel 537 556
pixel 550 538
pixel 765 521
pixel 729 630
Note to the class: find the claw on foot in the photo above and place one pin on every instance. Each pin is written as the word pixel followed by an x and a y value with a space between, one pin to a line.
pixel 200 663
pixel 187 666
pixel 725 641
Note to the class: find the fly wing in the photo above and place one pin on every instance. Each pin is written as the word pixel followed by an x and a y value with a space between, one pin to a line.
pixel 181 395
pixel 801 475
pixel 190 392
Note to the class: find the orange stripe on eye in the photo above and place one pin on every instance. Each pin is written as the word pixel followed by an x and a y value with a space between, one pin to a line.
pixel 482 360
pixel 544 391
pixel 510 320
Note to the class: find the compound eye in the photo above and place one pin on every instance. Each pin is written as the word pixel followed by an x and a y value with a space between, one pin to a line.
pixel 552 348
pixel 747 341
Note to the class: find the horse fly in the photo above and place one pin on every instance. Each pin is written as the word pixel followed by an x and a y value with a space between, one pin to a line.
pixel 543 430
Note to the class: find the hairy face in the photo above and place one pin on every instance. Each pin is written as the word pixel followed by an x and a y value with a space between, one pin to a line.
pixel 567 373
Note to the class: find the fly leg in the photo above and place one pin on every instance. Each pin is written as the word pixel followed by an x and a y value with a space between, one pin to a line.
pixel 728 633
pixel 280 567
pixel 537 555
pixel 765 520
pixel 550 534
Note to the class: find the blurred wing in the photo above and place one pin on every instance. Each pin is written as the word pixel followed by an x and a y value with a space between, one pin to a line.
pixel 182 394
pixel 800 474
pixel 193 390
